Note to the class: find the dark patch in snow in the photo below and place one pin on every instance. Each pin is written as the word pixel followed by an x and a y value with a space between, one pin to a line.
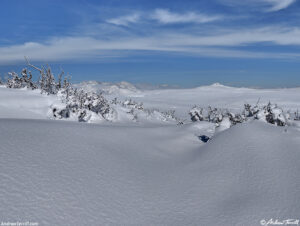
pixel 204 138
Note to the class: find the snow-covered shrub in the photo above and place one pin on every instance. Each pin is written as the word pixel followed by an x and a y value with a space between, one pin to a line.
pixel 46 82
pixel 15 81
pixel 269 113
pixel 297 116
pixel 164 115
pixel 215 115
pixel 209 114
pixel 133 114
pixel 250 111
pixel 137 110
pixel 84 116
pixel 115 101
pixel 236 118
pixel 169 114
pixel 60 113
pixel 132 104
pixel 196 114
pixel 82 105
pixel 27 79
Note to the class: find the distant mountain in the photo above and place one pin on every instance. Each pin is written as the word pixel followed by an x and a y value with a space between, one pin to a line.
pixel 126 88
pixel 107 87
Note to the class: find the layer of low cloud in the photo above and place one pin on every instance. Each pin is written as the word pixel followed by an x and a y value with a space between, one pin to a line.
pixel 216 45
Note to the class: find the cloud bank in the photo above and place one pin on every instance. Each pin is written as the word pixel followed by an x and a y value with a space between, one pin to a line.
pixel 216 45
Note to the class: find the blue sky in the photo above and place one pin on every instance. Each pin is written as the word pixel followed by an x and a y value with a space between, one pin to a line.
pixel 185 43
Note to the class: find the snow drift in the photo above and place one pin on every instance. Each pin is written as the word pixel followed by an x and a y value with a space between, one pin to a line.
pixel 62 173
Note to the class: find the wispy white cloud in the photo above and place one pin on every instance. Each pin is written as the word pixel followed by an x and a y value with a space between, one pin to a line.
pixel 125 20
pixel 273 35
pixel 215 45
pixel 279 4
pixel 261 5
pixel 166 17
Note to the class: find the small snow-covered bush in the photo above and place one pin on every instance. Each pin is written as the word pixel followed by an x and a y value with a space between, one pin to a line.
pixel 250 111
pixel 296 116
pixel 138 110
pixel 132 104
pixel 271 113
pixel 83 105
pixel 206 114
pixel 196 114
pixel 15 81
pixel 60 113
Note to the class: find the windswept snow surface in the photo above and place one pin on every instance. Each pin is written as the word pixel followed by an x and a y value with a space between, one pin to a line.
pixel 64 173
pixel 69 173
pixel 23 103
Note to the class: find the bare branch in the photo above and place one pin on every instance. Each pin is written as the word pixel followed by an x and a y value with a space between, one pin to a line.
pixel 257 102
pixel 29 64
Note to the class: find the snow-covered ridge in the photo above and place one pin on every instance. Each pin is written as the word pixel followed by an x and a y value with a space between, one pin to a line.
pixel 127 88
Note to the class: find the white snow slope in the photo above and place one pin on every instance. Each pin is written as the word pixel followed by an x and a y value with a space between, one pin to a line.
pixel 69 173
